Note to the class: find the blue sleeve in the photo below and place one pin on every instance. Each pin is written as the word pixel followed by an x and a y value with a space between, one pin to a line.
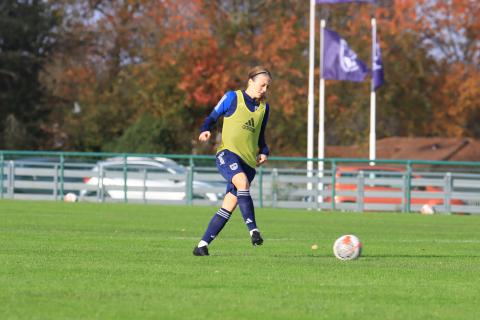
pixel 223 107
pixel 262 145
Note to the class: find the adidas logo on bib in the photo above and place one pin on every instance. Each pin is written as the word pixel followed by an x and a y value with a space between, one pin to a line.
pixel 249 125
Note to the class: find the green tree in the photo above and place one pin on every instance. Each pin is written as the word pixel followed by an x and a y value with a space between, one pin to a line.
pixel 151 135
pixel 26 39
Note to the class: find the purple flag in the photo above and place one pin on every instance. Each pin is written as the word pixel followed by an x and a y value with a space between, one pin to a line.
pixel 377 72
pixel 344 1
pixel 339 61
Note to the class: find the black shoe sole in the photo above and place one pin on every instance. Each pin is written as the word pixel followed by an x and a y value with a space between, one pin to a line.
pixel 200 252
pixel 257 239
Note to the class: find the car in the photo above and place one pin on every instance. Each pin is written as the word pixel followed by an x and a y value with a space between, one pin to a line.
pixel 387 182
pixel 147 179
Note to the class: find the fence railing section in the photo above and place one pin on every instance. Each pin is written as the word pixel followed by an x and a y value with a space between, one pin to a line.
pixel 344 184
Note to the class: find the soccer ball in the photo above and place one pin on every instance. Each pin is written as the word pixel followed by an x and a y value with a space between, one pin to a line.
pixel 70 197
pixel 347 247
pixel 427 209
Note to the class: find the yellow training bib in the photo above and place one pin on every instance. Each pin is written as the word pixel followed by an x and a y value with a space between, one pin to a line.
pixel 241 130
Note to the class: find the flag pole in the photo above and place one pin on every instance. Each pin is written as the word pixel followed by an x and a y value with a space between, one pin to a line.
pixel 311 70
pixel 372 144
pixel 321 113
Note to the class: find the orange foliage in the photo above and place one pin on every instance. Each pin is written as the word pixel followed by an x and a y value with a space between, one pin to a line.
pixel 149 55
pixel 458 99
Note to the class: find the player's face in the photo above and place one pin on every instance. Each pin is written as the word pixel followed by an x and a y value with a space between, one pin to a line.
pixel 259 86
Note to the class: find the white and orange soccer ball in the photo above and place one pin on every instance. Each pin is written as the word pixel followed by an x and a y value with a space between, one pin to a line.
pixel 70 197
pixel 427 209
pixel 347 247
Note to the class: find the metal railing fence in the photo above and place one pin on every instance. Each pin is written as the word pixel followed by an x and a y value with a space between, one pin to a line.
pixel 343 184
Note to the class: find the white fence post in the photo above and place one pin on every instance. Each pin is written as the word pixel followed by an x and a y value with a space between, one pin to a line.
pixel 55 183
pixel 360 191
pixel 447 192
pixel 11 179
pixel 144 189
pixel 274 187
pixel 404 192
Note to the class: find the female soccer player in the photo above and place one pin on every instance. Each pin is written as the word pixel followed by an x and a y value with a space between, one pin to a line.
pixel 242 149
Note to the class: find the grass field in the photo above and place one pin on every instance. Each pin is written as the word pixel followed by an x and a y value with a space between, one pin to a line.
pixel 116 261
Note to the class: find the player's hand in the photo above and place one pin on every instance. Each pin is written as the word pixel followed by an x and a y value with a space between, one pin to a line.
pixel 204 136
pixel 261 158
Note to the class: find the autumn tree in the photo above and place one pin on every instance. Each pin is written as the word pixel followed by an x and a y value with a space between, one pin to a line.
pixel 116 69
pixel 451 30
pixel 240 34
pixel 173 60
pixel 132 69
pixel 430 53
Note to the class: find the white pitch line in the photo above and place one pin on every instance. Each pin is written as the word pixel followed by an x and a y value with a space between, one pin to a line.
pixel 246 236
pixel 442 240
pixel 321 240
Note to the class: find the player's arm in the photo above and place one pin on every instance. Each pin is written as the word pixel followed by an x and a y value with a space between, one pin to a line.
pixel 223 107
pixel 262 145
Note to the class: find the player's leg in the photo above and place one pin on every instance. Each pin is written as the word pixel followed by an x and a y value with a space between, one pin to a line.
pixel 230 202
pixel 218 221
pixel 221 217
pixel 241 181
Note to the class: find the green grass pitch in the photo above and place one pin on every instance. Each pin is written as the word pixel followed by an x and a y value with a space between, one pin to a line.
pixel 118 261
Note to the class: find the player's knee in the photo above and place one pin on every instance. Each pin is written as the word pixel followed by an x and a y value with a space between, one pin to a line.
pixel 242 185
pixel 240 181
